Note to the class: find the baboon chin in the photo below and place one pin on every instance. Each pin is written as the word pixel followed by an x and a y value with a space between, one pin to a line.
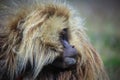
pixel 45 41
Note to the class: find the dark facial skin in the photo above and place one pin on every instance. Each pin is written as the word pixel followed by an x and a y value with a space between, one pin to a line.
pixel 68 58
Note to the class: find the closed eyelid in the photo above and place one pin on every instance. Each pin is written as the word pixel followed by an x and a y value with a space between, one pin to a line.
pixel 64 34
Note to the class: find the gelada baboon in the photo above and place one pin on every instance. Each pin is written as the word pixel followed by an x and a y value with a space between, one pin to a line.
pixel 45 40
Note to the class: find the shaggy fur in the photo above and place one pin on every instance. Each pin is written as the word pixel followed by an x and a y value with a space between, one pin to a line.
pixel 29 41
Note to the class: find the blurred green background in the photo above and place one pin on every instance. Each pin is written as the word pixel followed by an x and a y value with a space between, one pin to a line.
pixel 102 20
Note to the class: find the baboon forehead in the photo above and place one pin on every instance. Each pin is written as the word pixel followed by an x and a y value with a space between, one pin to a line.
pixel 55 24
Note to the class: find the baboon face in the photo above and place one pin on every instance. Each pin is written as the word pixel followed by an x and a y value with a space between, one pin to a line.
pixel 49 32
pixel 52 30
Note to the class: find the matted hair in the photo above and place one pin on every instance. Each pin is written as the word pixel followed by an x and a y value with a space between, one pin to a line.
pixel 29 35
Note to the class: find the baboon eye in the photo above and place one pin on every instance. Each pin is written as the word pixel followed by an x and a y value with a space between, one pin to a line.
pixel 65 29
pixel 64 34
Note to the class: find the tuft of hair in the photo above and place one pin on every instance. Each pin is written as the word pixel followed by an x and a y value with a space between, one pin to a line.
pixel 29 40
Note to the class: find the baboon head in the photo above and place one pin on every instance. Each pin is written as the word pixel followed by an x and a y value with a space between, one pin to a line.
pixel 50 34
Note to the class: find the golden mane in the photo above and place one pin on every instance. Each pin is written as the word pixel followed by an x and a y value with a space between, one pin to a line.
pixel 30 34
